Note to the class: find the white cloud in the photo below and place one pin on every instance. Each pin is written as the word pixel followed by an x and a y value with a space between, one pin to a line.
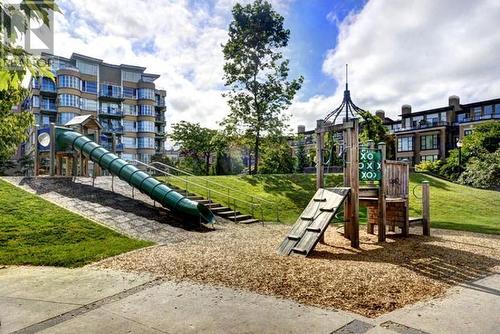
pixel 414 52
pixel 185 37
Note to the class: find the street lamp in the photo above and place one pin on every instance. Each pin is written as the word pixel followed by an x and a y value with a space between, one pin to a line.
pixel 459 145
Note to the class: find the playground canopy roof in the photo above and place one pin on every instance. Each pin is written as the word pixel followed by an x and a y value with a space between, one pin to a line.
pixel 87 121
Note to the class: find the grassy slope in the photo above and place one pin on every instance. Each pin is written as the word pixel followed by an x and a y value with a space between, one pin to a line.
pixel 452 206
pixel 37 232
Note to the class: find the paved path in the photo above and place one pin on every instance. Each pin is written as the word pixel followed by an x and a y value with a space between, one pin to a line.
pixel 111 206
pixel 55 300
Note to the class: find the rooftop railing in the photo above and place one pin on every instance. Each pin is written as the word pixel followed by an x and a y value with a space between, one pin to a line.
pixel 424 125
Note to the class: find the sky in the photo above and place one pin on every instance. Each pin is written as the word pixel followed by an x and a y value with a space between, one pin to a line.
pixel 415 52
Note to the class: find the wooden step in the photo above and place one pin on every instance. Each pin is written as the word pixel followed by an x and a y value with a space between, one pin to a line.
pixel 299 250
pixel 214 205
pixel 220 209
pixel 313 229
pixel 195 198
pixel 239 218
pixel 249 221
pixel 228 214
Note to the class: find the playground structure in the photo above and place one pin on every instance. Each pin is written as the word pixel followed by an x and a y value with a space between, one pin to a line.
pixel 67 147
pixel 387 202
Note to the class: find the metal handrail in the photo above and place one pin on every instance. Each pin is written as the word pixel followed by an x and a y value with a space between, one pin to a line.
pixel 210 181
pixel 209 191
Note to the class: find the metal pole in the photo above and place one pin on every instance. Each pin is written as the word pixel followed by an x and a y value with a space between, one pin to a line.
pixel 319 154
pixel 36 152
pixel 52 166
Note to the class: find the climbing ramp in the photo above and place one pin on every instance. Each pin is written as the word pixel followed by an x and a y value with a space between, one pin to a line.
pixel 313 221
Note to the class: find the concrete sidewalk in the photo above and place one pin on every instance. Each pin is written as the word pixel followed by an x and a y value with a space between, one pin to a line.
pixel 55 300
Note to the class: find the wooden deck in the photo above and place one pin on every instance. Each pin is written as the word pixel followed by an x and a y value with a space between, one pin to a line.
pixel 313 221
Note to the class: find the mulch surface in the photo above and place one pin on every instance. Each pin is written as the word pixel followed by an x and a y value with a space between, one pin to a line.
pixel 376 279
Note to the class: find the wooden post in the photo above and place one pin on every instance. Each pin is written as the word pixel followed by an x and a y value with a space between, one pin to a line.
pixel 320 178
pixel 354 168
pixel 382 205
pixel 426 217
pixel 52 165
pixel 406 225
pixel 347 181
pixel 113 143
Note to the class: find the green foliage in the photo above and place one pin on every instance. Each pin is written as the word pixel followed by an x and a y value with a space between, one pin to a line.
pixel 13 125
pixel 429 166
pixel 197 144
pixel 301 155
pixel 257 73
pixel 482 171
pixel 36 232
pixel 15 65
pixel 373 128
pixel 277 158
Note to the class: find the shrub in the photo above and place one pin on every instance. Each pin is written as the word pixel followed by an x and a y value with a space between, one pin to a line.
pixel 429 166
pixel 482 171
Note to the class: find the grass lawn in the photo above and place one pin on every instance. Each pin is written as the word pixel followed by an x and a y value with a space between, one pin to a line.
pixel 453 206
pixel 36 232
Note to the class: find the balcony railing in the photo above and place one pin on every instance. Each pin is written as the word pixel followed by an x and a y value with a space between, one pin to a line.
pixel 111 112
pixel 107 93
pixel 159 118
pixel 48 88
pixel 108 146
pixel 48 107
pixel 113 129
pixel 425 125
pixel 479 118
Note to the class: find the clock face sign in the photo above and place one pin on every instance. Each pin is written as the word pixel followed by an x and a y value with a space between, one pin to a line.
pixel 370 164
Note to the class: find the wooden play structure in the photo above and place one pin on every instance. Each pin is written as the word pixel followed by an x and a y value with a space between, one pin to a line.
pixel 385 189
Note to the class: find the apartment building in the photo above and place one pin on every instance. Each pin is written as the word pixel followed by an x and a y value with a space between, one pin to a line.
pixel 429 135
pixel 123 98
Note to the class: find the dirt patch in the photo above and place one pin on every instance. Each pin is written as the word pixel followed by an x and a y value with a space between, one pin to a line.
pixel 376 279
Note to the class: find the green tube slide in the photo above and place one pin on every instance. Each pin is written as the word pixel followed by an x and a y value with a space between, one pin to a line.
pixel 147 184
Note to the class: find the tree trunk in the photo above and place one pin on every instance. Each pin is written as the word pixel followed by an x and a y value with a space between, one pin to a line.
pixel 207 164
pixel 256 152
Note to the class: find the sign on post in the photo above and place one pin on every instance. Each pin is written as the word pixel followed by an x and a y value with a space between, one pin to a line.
pixel 370 164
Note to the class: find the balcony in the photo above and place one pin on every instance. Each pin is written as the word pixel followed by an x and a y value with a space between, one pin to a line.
pixel 478 118
pixel 46 107
pixel 48 89
pixel 108 146
pixel 159 119
pixel 112 129
pixel 425 125
pixel 111 112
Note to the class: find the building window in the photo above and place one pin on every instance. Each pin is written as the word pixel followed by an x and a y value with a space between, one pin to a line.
pixel 467 132
pixel 35 84
pixel 69 100
pixel 129 126
pixel 405 144
pixel 35 101
pixel 497 109
pixel 68 81
pixel 144 157
pixel 146 93
pixel 131 76
pixel 145 142
pixel 87 68
pixel 488 110
pixel 129 109
pixel 146 126
pixel 146 110
pixel 65 117
pixel 89 104
pixel 128 156
pixel 432 157
pixel 476 113
pixel 462 118
pixel 89 86
pixel 129 92
pixel 111 90
pixel 48 85
pixel 48 104
pixel 129 142
pixel 429 142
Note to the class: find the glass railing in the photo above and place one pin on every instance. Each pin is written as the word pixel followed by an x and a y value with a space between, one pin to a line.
pixel 479 118
pixel 48 88
pixel 114 129
pixel 107 93
pixel 423 126
pixel 108 146
pixel 112 112
pixel 48 107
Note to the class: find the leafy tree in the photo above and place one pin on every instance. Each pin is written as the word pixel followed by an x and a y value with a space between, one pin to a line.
pixel 277 158
pixel 373 128
pixel 482 171
pixel 197 144
pixel 16 65
pixel 257 73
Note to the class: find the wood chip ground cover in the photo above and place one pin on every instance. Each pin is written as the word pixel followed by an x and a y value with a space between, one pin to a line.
pixel 371 281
